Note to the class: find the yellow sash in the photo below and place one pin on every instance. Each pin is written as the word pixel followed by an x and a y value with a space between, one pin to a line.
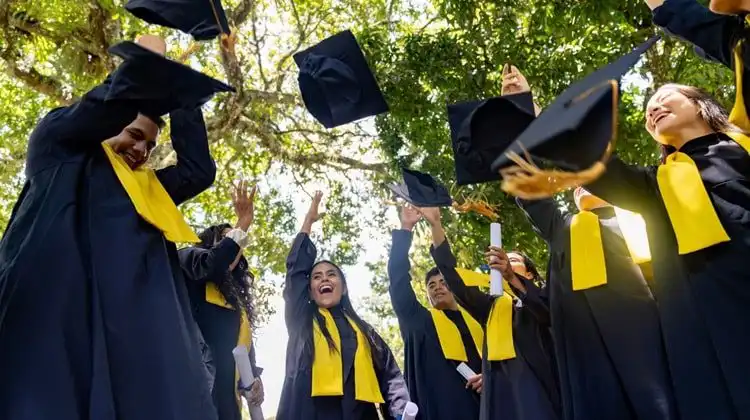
pixel 450 337
pixel 327 369
pixel 500 322
pixel 693 217
pixel 500 330
pixel 587 265
pixel 151 200
pixel 739 116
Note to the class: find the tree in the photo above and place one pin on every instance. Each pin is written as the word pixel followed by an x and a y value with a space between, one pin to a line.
pixel 424 54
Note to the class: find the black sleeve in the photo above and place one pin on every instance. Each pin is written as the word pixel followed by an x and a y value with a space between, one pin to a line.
pixel 203 265
pixel 545 216
pixel 195 170
pixel 535 300
pixel 391 381
pixel 296 293
pixel 404 301
pixel 84 124
pixel 688 20
pixel 626 186
pixel 476 302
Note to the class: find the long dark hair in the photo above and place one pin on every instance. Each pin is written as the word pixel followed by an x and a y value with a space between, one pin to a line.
pixel 235 286
pixel 709 110
pixel 537 278
pixel 373 339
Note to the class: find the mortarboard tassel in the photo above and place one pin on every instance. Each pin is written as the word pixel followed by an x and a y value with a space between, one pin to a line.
pixel 529 182
pixel 477 206
pixel 192 49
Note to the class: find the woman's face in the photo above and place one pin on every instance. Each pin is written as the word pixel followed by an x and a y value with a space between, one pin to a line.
pixel 518 265
pixel 668 112
pixel 326 285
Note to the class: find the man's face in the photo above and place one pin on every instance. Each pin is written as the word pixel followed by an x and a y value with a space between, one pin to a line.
pixel 136 141
pixel 439 294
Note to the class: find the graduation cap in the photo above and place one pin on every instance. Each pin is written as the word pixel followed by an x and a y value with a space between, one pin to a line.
pixel 169 85
pixel 480 130
pixel 575 134
pixel 336 83
pixel 421 190
pixel 203 19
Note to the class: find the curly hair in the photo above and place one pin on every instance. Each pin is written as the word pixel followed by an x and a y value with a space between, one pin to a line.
pixel 236 285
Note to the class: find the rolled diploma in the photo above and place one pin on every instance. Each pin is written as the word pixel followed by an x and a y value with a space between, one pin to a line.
pixel 242 361
pixel 496 277
pixel 410 411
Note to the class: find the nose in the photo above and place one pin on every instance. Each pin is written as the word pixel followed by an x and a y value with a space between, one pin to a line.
pixel 141 147
pixel 653 108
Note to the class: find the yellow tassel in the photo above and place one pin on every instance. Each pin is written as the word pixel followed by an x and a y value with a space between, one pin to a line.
pixel 478 206
pixel 530 182
pixel 194 47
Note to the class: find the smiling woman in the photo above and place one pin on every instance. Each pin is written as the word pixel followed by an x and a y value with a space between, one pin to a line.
pixel 337 365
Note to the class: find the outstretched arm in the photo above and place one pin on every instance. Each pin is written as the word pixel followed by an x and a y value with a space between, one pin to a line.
pixel 476 302
pixel 626 186
pixel 95 118
pixel 688 20
pixel 195 170
pixel 299 263
pixel 404 301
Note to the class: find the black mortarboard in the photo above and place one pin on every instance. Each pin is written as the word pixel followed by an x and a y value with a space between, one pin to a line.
pixel 336 83
pixel 576 133
pixel 162 84
pixel 203 19
pixel 480 130
pixel 421 190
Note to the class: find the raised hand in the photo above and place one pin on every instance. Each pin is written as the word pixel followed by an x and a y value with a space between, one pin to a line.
pixel 498 260
pixel 153 43
pixel 431 214
pixel 243 202
pixel 409 217
pixel 513 81
pixel 313 213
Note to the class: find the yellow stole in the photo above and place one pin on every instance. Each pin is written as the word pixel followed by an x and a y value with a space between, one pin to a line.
pixel 151 200
pixel 693 217
pixel 450 337
pixel 739 116
pixel 244 337
pixel 499 329
pixel 587 265
pixel 327 369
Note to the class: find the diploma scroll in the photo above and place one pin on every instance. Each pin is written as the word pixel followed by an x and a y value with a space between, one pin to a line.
pixel 242 361
pixel 410 411
pixel 496 277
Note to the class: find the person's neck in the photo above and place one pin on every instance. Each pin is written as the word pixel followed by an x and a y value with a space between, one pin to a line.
pixel 448 307
pixel 686 135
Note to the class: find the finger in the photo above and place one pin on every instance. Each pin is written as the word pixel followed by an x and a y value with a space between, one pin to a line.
pixel 253 191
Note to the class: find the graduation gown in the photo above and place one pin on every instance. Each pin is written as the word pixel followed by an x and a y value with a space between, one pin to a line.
pixel 296 402
pixel 525 387
pixel 220 325
pixel 608 341
pixel 94 314
pixel 704 296
pixel 434 383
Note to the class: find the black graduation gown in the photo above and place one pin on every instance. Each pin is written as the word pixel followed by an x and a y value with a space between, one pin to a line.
pixel 94 314
pixel 715 35
pixel 434 384
pixel 220 326
pixel 608 341
pixel 704 297
pixel 524 387
pixel 296 402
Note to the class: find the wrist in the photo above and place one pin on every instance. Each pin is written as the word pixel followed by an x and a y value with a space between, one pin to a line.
pixel 407 226
pixel 244 223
